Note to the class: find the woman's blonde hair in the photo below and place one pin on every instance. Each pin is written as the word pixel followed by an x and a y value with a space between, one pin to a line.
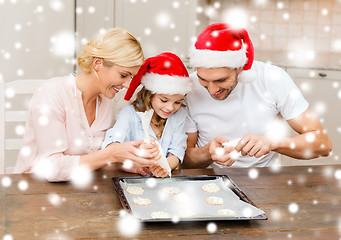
pixel 115 46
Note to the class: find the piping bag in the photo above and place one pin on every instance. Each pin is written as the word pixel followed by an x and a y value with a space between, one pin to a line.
pixel 146 117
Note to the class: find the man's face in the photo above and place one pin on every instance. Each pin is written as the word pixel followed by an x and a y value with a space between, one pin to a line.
pixel 219 82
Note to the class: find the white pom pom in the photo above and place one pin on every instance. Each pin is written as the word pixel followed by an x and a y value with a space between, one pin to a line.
pixel 247 76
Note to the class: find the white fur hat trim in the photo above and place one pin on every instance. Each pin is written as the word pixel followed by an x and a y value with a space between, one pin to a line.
pixel 165 84
pixel 215 59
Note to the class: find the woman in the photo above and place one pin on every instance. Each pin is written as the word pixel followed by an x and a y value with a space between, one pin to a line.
pixel 68 116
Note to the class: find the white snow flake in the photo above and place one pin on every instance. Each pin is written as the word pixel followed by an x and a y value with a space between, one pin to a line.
pixel 57 5
pixel 337 174
pixel 54 199
pixel 91 9
pixel 339 94
pixel 63 44
pixel 211 227
pixel 147 31
pixel 275 214
pixel 127 164
pixel 253 173
pixel 128 225
pixel 151 182
pixel 7 237
pixel 236 17
pixel 324 12
pixel 20 130
pixel 163 19
pixel 23 185
pixel 293 208
pixel 43 120
pixel 6 182
pixel 247 212
pixel 81 177
pixel 310 137
pixel 219 151
pixel 10 92
pixel 280 5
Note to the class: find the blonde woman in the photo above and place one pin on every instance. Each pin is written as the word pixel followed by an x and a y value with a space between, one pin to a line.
pixel 68 116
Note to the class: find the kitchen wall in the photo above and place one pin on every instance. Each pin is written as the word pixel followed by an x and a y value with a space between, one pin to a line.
pixel 291 32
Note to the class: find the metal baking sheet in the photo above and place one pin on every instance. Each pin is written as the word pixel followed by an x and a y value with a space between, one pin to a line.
pixel 193 206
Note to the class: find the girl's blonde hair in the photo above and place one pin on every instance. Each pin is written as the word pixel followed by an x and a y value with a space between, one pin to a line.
pixel 115 46
pixel 143 102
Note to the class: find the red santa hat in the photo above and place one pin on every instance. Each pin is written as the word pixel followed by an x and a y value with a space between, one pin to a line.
pixel 162 74
pixel 220 45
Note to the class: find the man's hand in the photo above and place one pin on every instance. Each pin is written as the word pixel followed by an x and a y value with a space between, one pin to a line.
pixel 254 145
pixel 219 154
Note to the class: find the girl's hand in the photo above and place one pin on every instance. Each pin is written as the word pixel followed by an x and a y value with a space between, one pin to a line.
pixel 159 171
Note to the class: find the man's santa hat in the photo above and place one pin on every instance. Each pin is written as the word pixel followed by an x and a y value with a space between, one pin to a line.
pixel 220 45
pixel 162 74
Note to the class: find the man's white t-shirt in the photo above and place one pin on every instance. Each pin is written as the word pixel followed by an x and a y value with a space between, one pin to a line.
pixel 252 107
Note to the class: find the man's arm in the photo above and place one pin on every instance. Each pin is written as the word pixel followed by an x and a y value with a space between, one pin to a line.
pixel 312 141
pixel 196 157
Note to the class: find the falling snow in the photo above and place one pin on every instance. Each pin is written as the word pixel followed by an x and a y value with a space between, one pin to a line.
pixel 6 182
pixel 293 208
pixel 61 45
pixel 128 225
pixel 23 185
pixel 81 177
pixel 253 173
pixel 211 227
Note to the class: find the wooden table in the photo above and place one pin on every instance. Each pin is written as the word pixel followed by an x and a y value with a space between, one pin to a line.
pixel 93 213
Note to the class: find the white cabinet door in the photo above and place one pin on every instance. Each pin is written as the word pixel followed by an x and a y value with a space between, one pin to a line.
pixel 92 17
pixel 322 89
pixel 164 25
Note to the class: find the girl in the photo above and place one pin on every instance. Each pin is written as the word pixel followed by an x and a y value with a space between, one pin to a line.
pixel 165 82
pixel 68 116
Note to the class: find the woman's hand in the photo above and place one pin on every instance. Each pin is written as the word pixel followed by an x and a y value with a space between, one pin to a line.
pixel 139 170
pixel 120 152
pixel 158 171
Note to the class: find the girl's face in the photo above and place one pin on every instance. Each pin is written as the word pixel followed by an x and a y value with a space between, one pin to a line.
pixel 113 78
pixel 164 105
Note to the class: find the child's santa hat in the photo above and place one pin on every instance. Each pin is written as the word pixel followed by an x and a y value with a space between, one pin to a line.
pixel 162 74
pixel 220 45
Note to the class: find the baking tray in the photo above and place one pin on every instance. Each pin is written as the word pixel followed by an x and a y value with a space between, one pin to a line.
pixel 229 190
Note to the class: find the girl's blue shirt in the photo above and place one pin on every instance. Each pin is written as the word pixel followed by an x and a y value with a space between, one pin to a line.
pixel 128 127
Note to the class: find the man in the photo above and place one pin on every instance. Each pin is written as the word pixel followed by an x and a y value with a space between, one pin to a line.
pixel 236 98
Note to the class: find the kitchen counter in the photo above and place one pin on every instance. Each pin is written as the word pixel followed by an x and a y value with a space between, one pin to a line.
pixel 301 202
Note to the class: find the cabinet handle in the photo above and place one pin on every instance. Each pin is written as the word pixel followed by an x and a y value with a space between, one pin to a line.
pixel 322 74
